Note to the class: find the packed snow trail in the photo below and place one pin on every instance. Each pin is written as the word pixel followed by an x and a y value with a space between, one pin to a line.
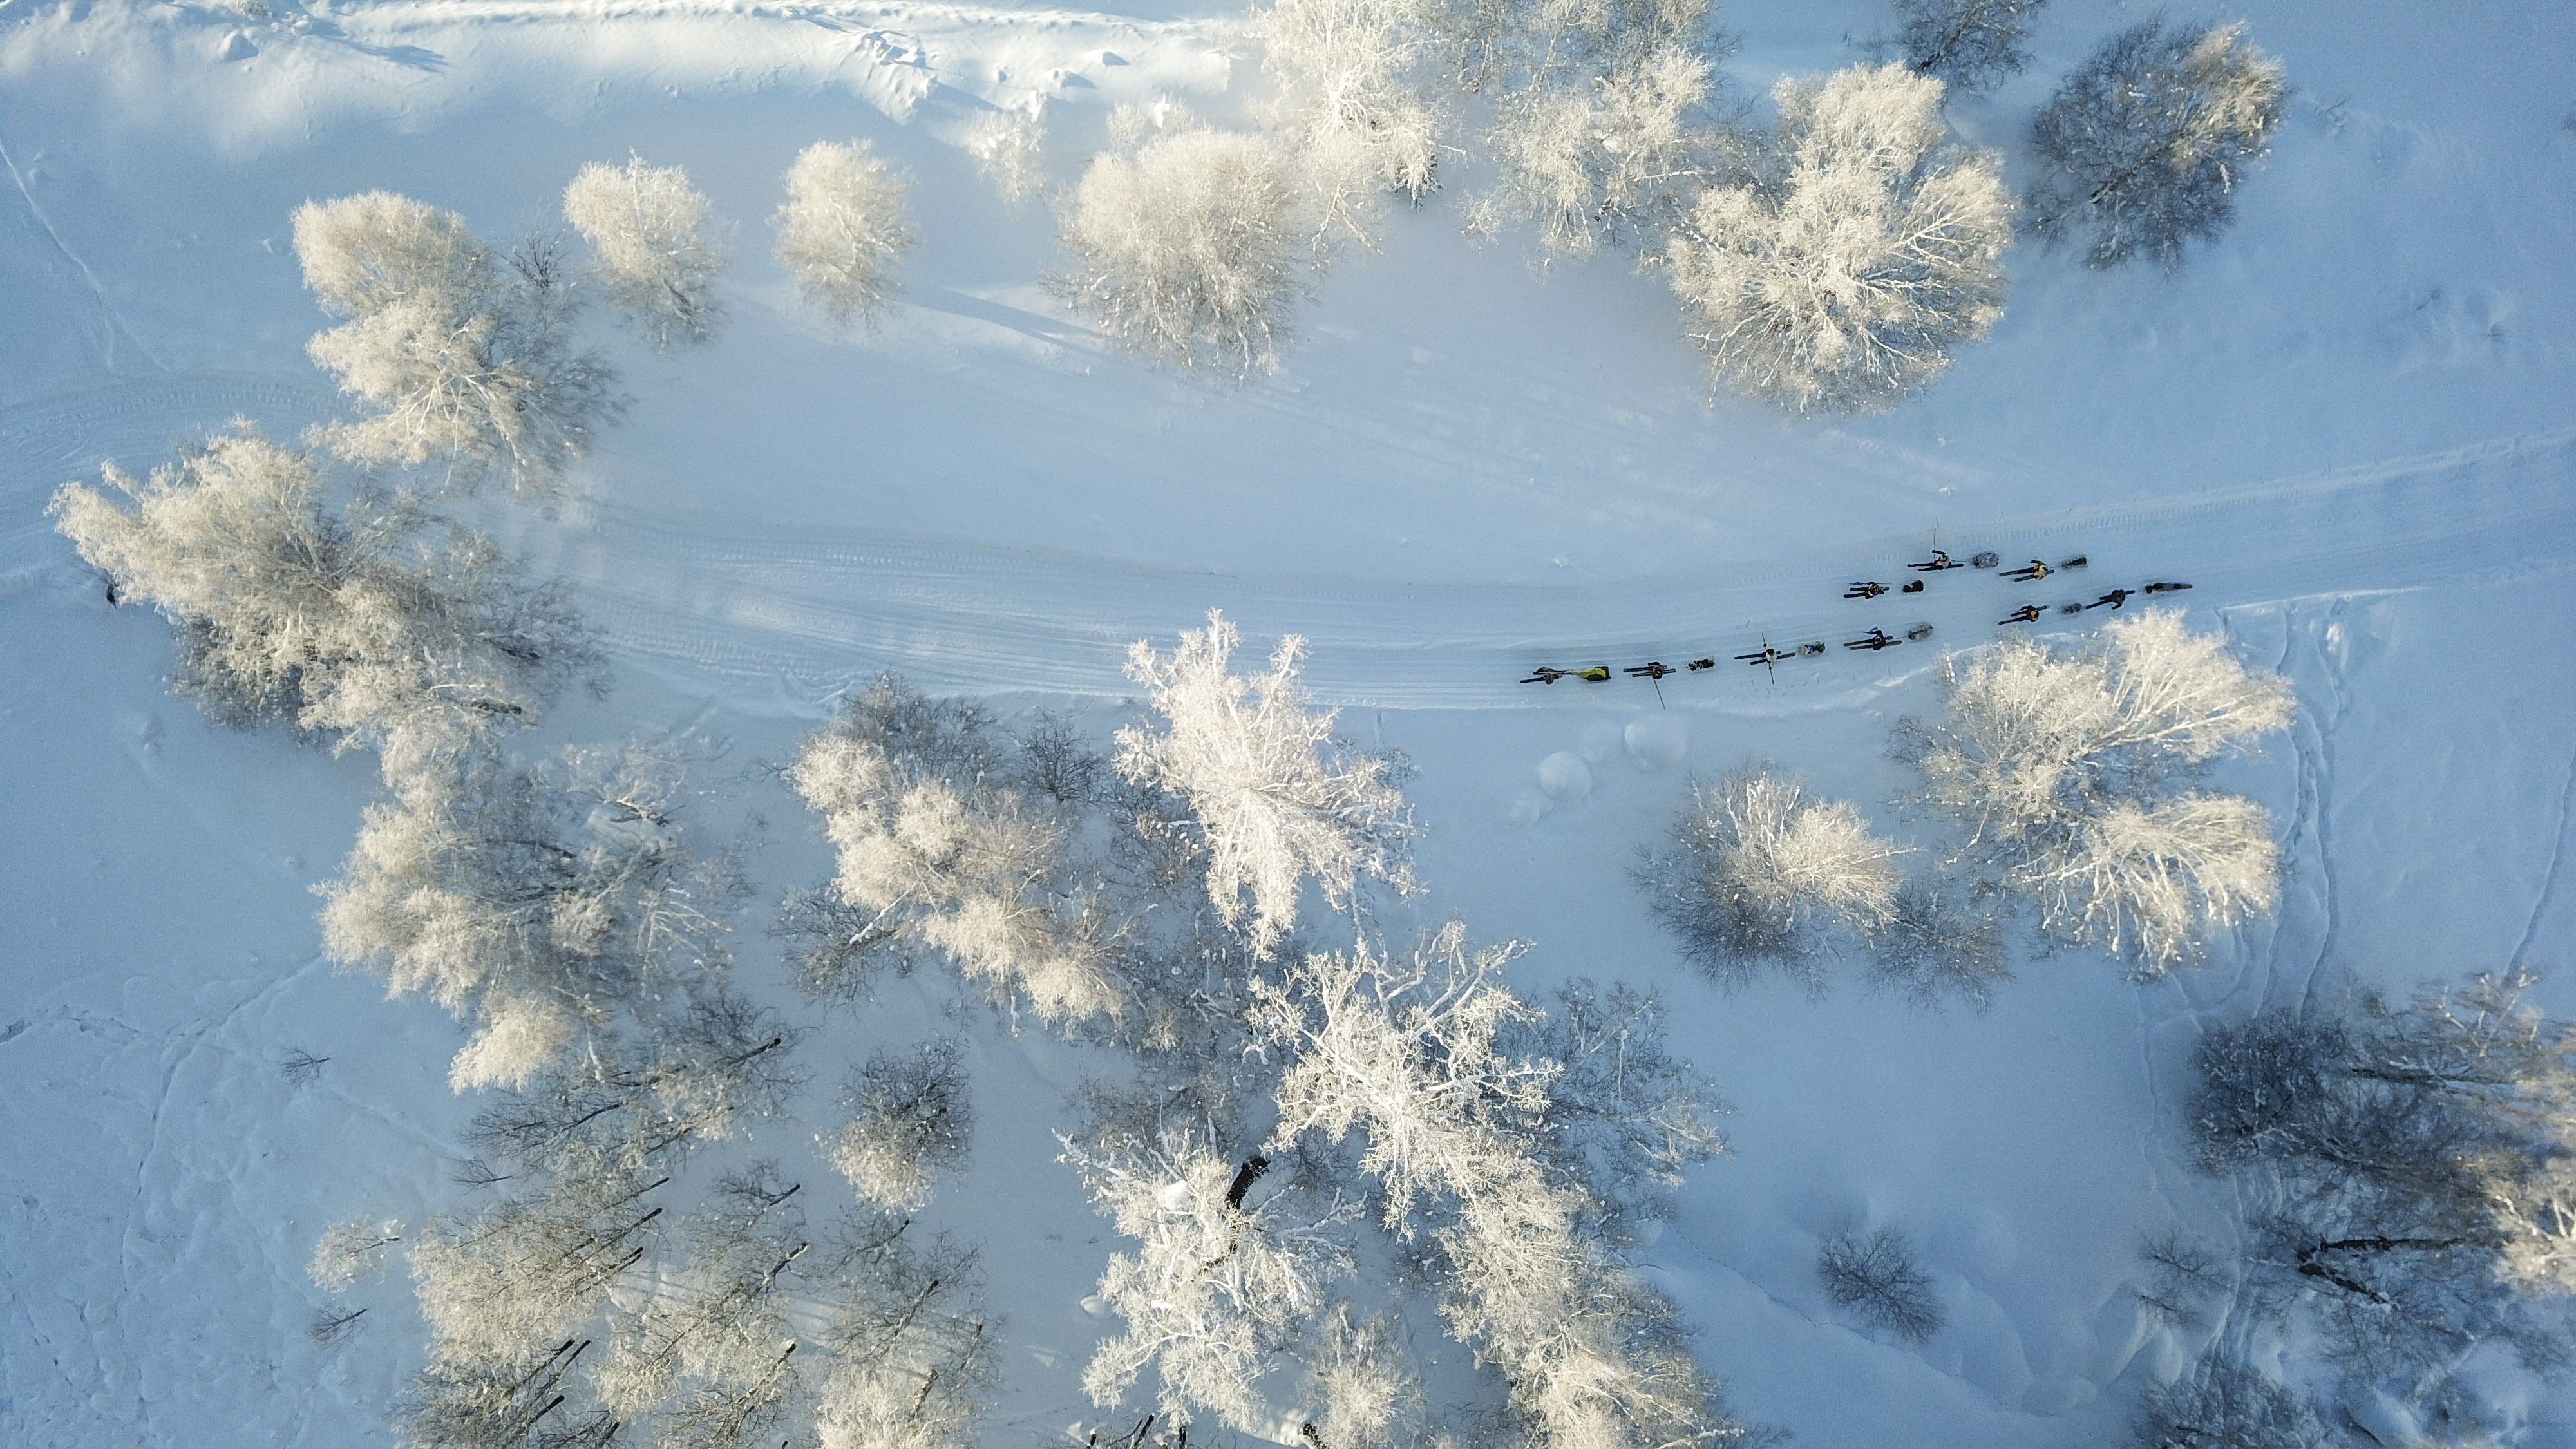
pixel 722 605
pixel 800 612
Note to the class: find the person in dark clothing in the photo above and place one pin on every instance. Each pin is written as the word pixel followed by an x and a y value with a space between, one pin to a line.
pixel 2113 599
pixel 2026 614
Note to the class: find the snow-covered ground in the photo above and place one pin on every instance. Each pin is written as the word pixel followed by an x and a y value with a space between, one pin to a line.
pixel 2350 422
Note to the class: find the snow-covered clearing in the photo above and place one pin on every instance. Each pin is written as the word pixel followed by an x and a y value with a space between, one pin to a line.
pixel 2348 423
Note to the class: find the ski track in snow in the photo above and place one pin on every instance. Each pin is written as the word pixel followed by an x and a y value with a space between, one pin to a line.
pixel 114 322
pixel 753 607
pixel 2521 958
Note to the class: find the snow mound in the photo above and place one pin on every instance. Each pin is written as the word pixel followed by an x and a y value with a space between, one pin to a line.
pixel 1658 741
pixel 1564 776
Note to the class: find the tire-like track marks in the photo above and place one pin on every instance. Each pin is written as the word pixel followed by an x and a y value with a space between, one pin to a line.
pixel 58 439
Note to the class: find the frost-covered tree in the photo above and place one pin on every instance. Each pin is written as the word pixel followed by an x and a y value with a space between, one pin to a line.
pixel 737 1412
pixel 2137 708
pixel 1353 107
pixel 1757 870
pixel 1873 1274
pixel 908 1350
pixel 1055 760
pixel 755 1331
pixel 1187 248
pixel 910 1120
pixel 534 1268
pixel 359 617
pixel 2164 870
pixel 1622 1116
pixel 351 1252
pixel 701 1075
pixel 1611 162
pixel 1275 799
pixel 941 848
pixel 466 358
pixel 2071 770
pixel 1197 1070
pixel 1360 1394
pixel 1186 996
pixel 521 1397
pixel 536 903
pixel 657 253
pixel 1219 1281
pixel 2146 144
pixel 2409 1169
pixel 2182 1276
pixel 705 1070
pixel 1940 941
pixel 2219 1403
pixel 835 949
pixel 844 225
pixel 1412 1055
pixel 1604 114
pixel 719 1322
pixel 1969 45
pixel 1413 1052
pixel 1861 250
pixel 1009 151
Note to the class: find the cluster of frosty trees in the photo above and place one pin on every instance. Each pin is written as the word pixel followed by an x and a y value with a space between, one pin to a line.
pixel 560 904
pixel 2406 1174
pixel 1831 261
pixel 355 614
pixel 1320 1151
pixel 1316 1148
pixel 2407 1177
pixel 575 1306
pixel 468 357
pixel 2067 778
pixel 560 907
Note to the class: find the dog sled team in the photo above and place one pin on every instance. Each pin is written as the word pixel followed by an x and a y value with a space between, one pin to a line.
pixel 1771 656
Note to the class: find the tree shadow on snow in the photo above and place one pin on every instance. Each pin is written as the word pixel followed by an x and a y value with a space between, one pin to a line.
pixel 1031 324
